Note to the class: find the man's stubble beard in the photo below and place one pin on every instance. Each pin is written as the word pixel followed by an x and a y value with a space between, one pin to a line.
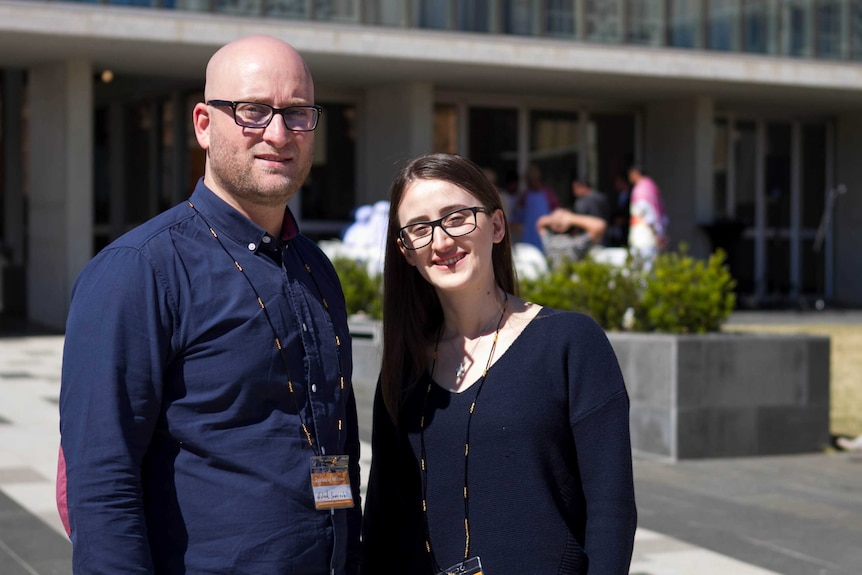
pixel 243 183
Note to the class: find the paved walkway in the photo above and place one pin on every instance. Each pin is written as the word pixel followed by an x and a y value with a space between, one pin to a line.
pixel 799 515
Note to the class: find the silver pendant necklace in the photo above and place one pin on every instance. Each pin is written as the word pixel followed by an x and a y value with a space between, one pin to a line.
pixel 459 373
pixel 463 366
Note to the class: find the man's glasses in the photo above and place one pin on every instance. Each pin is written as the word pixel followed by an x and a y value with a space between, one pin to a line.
pixel 257 115
pixel 456 223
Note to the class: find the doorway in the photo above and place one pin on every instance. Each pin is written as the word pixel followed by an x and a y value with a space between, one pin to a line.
pixel 770 185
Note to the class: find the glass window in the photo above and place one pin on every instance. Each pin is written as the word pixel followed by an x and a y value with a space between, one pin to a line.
pixel 779 137
pixel 3 144
pixel 813 174
pixel 493 134
pixel 723 26
pixel 147 3
pixel 719 162
pixel 755 29
pixel 684 23
pixel 645 22
pixel 829 40
pixel 329 192
pixel 239 7
pixel 744 136
pixel 856 29
pixel 610 150
pixel 445 129
pixel 560 18
pixel 474 15
pixel 554 146
pixel 102 158
pixel 604 21
pixel 794 22
pixel 167 156
pixel 336 10
pixel 518 17
pixel 813 197
pixel 433 14
pixel 287 8
pixel 142 126
pixel 386 12
pixel 195 5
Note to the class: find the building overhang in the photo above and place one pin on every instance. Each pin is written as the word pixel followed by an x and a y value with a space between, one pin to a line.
pixel 177 44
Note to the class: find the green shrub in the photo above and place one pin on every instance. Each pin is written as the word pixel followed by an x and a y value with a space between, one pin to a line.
pixel 685 295
pixel 600 290
pixel 676 294
pixel 363 292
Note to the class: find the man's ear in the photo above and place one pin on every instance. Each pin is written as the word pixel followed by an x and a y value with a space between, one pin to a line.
pixel 201 120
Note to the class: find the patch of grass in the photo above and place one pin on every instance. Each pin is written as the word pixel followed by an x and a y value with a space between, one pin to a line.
pixel 845 366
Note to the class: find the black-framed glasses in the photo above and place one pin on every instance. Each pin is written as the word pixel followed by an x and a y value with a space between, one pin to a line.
pixel 456 223
pixel 258 115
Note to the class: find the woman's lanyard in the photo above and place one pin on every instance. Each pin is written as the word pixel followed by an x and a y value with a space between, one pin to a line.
pixel 424 462
pixel 329 476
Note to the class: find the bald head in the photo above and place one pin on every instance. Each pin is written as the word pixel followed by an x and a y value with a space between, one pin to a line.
pixel 255 59
pixel 256 170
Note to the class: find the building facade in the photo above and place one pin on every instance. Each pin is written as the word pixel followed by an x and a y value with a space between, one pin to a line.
pixel 748 114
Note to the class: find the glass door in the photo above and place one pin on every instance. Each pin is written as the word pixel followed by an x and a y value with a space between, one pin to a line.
pixel 770 184
pixel 554 147
pixel 493 144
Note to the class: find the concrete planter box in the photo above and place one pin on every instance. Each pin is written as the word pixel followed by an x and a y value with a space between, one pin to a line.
pixel 695 396
pixel 367 338
pixel 725 394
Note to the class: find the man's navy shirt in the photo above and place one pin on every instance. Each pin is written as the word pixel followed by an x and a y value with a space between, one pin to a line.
pixel 183 447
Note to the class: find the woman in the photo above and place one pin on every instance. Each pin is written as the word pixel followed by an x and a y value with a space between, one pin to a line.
pixel 500 427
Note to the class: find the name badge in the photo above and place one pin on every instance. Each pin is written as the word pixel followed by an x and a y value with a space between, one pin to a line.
pixel 472 566
pixel 330 482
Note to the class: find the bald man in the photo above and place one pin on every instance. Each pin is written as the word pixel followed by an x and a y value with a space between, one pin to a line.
pixel 207 419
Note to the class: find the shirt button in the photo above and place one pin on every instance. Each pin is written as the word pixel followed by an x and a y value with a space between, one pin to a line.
pixel 251 246
pixel 304 327
pixel 313 388
pixel 266 239
pixel 322 450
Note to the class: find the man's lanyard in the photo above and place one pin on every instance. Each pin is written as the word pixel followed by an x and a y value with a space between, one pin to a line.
pixel 276 338
pixel 330 479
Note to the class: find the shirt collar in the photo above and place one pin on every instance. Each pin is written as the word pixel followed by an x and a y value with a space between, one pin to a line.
pixel 229 222
pixel 289 227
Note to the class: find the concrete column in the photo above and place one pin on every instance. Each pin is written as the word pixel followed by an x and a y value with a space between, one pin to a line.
pixel 398 122
pixel 60 224
pixel 678 154
pixel 847 213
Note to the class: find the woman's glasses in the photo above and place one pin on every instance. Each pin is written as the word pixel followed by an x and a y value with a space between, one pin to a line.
pixel 456 223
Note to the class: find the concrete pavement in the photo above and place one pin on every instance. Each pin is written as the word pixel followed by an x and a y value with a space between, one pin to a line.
pixel 792 515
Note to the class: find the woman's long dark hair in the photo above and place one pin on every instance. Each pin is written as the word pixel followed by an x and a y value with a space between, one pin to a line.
pixel 412 314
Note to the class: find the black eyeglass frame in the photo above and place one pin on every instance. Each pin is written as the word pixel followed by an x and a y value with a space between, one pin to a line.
pixel 438 223
pixel 279 111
